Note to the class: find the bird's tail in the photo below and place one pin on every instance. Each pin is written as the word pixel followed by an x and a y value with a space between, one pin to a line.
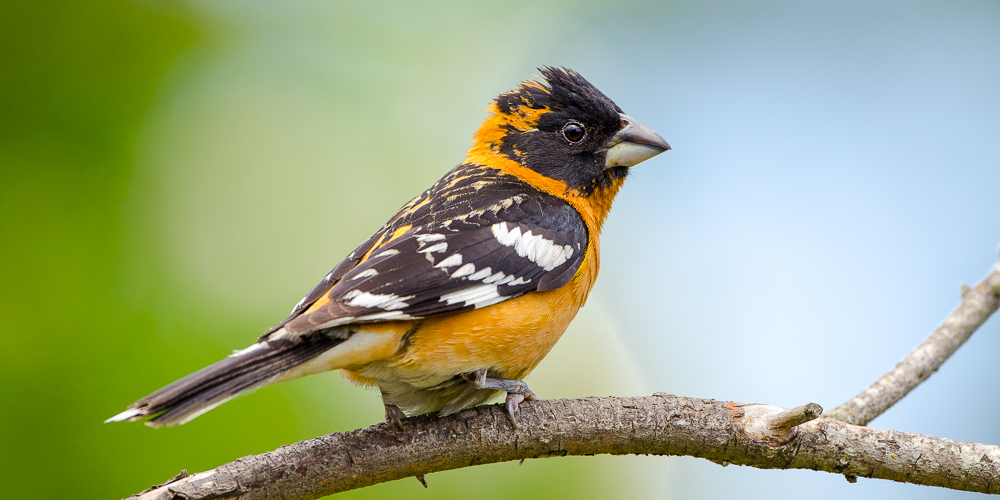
pixel 256 366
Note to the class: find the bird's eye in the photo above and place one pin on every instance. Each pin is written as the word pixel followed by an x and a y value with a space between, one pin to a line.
pixel 573 132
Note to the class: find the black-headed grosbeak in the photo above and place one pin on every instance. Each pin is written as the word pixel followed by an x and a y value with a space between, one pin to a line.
pixel 464 291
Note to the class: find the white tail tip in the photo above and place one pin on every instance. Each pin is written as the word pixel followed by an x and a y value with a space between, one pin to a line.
pixel 129 414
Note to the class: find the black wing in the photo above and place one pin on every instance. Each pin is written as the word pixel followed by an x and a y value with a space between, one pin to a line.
pixel 477 238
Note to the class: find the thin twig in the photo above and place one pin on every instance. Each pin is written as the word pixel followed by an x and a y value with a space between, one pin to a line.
pixel 978 303
pixel 656 425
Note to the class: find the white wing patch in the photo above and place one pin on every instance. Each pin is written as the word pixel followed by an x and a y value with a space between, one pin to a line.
pixel 388 301
pixel 440 247
pixel 427 238
pixel 536 248
pixel 478 296
pixel 470 270
pixel 482 273
pixel 367 273
pixel 500 278
pixel 424 239
pixel 451 261
pixel 465 270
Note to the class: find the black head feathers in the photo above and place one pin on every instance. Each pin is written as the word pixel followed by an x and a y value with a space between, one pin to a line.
pixel 561 88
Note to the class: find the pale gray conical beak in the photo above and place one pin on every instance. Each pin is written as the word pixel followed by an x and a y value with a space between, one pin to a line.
pixel 633 144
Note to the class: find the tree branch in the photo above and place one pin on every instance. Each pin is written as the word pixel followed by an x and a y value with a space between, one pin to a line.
pixel 977 305
pixel 759 436
pixel 723 432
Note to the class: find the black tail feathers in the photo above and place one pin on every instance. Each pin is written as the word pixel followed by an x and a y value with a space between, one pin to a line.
pixel 251 368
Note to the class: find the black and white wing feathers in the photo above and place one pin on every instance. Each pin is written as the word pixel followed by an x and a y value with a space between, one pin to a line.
pixel 462 249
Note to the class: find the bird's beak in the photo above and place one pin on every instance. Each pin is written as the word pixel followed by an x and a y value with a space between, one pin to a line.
pixel 633 144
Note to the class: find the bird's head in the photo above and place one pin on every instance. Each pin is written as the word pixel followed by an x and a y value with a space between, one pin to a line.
pixel 567 132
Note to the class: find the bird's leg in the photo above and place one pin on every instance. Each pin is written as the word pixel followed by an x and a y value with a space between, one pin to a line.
pixel 516 390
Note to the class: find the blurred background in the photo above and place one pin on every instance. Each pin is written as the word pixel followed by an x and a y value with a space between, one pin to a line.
pixel 174 176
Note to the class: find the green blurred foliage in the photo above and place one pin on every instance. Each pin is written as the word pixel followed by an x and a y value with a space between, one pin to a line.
pixel 174 177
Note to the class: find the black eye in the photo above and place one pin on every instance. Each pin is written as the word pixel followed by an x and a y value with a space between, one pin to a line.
pixel 573 132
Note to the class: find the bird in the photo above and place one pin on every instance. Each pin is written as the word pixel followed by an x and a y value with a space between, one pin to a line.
pixel 459 296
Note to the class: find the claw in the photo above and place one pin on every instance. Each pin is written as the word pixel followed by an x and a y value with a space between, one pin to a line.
pixel 394 416
pixel 512 401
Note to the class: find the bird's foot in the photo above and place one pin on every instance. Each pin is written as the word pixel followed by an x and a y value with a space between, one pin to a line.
pixel 394 416
pixel 517 391
pixel 512 402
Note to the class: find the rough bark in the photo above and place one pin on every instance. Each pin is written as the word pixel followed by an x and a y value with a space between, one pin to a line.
pixel 726 433
pixel 978 303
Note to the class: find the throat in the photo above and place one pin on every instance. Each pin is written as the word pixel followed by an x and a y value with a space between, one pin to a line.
pixel 595 205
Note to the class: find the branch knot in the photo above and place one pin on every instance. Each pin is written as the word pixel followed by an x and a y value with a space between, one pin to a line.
pixel 774 425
